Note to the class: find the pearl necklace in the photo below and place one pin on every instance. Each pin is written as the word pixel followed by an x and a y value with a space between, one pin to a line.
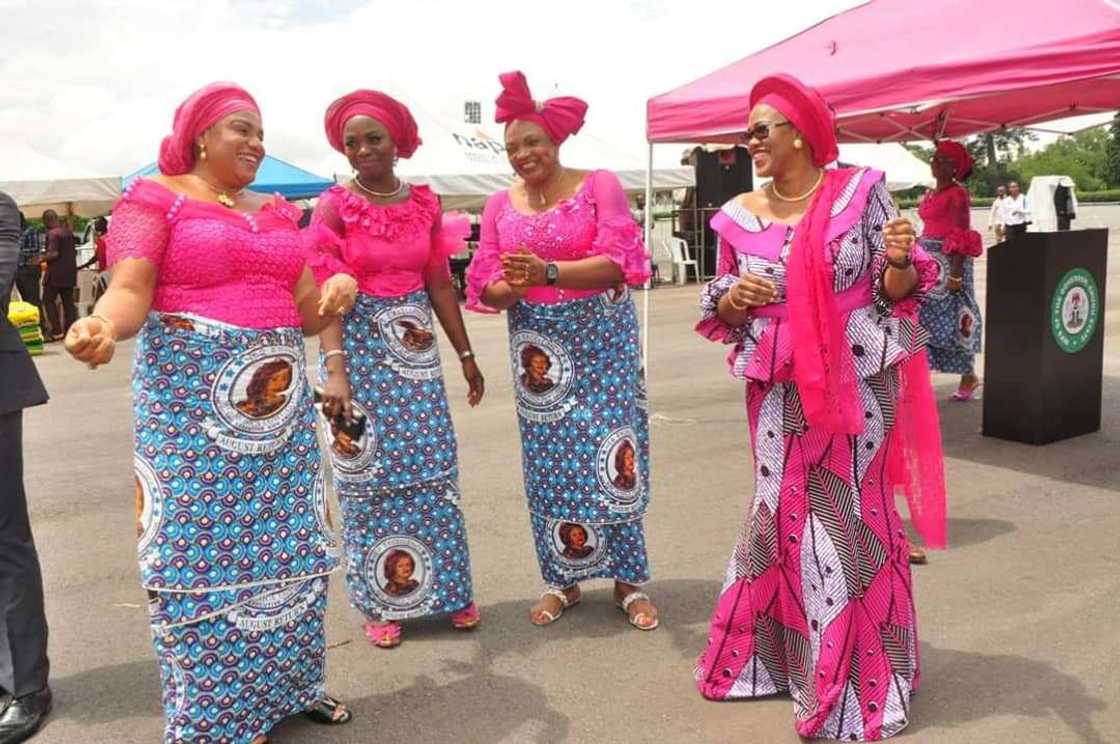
pixel 800 197
pixel 380 194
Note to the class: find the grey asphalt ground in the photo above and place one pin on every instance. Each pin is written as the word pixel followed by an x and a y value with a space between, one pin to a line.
pixel 1018 620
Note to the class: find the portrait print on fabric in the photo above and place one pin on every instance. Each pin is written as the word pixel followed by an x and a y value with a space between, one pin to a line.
pixel 966 324
pixel 399 571
pixel 535 366
pixel 410 340
pixel 177 322
pixel 544 374
pixel 577 545
pixel 617 469
pixel 148 505
pixel 255 397
pixel 267 389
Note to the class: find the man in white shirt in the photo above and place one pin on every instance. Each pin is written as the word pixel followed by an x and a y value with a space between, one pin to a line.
pixel 1016 213
pixel 998 216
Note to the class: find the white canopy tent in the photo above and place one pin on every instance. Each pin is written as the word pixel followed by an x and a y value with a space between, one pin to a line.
pixel 466 163
pixel 38 183
pixel 904 170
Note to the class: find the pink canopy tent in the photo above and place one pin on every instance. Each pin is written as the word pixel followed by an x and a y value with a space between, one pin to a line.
pixel 898 70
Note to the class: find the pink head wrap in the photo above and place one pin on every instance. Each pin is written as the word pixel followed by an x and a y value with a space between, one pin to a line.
pixel 389 111
pixel 561 117
pixel 955 151
pixel 199 112
pixel 805 109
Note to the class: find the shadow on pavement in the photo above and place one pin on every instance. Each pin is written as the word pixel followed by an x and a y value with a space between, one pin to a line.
pixel 959 687
pixel 480 706
pixel 966 532
pixel 109 693
pixel 1086 460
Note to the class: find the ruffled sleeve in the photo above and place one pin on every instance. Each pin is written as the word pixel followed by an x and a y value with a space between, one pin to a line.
pixel 141 223
pixel 449 236
pixel 323 242
pixel 711 326
pixel 962 240
pixel 486 265
pixel 618 236
pixel 878 211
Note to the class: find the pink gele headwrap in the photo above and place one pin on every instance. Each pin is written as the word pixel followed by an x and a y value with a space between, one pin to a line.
pixel 806 110
pixel 955 151
pixel 389 111
pixel 199 112
pixel 561 117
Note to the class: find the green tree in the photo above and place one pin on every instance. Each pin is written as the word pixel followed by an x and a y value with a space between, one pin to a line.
pixel 1082 157
pixel 1111 167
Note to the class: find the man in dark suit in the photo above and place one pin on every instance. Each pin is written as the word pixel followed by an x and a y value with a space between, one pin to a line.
pixel 25 698
pixel 61 280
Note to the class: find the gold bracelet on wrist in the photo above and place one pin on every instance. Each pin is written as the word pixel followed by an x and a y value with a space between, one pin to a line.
pixel 731 302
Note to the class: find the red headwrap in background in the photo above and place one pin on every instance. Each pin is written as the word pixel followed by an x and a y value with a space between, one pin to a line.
pixel 202 109
pixel 561 117
pixel 955 151
pixel 389 111
pixel 805 109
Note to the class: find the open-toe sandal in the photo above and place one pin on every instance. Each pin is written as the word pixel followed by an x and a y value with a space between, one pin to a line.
pixel 326 712
pixel 565 603
pixel 636 619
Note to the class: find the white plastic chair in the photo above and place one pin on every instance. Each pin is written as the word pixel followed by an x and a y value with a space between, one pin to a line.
pixel 682 259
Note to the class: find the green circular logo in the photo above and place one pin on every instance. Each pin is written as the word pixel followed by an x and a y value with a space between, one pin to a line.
pixel 1074 310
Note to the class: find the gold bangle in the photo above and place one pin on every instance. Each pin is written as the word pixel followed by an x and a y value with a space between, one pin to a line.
pixel 731 302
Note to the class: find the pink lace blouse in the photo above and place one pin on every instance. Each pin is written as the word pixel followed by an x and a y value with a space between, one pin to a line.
pixel 596 221
pixel 390 249
pixel 945 216
pixel 212 261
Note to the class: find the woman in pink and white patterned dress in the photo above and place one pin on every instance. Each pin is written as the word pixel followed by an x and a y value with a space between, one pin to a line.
pixel 817 289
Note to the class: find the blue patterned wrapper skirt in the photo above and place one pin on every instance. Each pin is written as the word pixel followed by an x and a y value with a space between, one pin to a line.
pixel 397 476
pixel 952 318
pixel 581 405
pixel 233 528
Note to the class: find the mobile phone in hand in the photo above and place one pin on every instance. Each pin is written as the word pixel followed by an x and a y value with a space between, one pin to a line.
pixel 355 427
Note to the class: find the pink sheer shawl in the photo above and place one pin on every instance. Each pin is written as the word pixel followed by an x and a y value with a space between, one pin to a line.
pixel 826 379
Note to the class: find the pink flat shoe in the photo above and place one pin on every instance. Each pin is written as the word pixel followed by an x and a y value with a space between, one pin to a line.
pixel 383 635
pixel 467 618
pixel 963 394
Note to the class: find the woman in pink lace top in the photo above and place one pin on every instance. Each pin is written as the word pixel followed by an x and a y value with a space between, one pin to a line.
pixel 211 277
pixel 557 251
pixel 383 381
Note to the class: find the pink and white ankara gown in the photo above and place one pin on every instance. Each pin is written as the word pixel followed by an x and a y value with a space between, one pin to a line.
pixel 817 599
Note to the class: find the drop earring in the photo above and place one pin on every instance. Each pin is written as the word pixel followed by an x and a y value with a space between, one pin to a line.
pixel 797 144
pixel 202 151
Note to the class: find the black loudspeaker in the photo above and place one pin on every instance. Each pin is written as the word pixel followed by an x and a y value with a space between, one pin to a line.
pixel 1044 351
pixel 721 175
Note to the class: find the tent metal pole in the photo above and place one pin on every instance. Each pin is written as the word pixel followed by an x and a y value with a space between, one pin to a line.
pixel 647 213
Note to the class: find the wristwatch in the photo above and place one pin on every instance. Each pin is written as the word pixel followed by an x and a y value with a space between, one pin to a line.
pixel 551 273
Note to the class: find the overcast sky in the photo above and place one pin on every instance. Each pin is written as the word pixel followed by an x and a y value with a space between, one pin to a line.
pixel 95 83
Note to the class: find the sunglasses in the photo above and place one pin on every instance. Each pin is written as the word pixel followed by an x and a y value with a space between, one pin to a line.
pixel 761 130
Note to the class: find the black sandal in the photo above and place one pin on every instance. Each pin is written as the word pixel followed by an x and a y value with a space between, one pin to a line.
pixel 325 710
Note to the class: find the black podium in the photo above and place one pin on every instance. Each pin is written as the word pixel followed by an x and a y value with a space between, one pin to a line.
pixel 1044 345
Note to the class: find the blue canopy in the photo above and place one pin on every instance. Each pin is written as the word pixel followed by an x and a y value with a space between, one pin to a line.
pixel 274 176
